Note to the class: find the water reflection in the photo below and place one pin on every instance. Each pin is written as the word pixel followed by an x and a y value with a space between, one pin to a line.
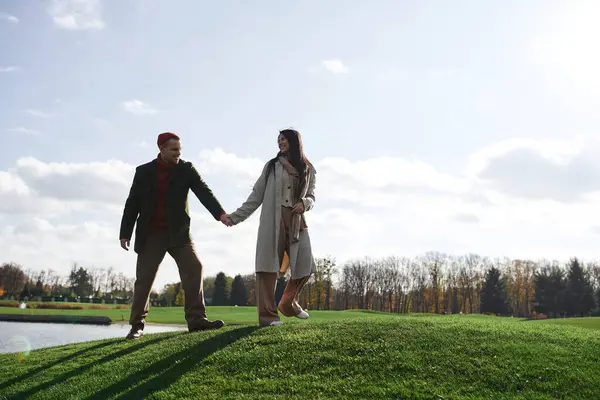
pixel 27 336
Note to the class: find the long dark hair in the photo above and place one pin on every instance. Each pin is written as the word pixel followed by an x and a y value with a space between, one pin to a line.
pixel 295 153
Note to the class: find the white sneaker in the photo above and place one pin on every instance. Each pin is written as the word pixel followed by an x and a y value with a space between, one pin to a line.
pixel 303 315
pixel 276 323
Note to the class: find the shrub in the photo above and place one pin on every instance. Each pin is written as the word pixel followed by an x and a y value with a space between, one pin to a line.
pixel 121 307
pixel 97 307
pixel 535 315
pixel 58 306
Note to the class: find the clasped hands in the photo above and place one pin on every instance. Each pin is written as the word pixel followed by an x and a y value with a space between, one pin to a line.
pixel 226 218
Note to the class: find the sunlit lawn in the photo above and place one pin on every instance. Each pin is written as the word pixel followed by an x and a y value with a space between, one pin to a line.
pixel 333 355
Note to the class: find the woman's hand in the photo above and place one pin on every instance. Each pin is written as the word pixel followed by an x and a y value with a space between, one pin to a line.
pixel 298 208
pixel 226 220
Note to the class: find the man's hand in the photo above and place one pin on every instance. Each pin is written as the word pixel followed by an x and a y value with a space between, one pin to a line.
pixel 298 208
pixel 226 220
pixel 125 244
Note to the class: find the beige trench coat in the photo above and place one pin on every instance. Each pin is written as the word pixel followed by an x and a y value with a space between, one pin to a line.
pixel 268 193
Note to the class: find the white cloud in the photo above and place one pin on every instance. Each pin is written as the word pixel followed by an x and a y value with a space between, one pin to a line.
pixel 55 213
pixel 76 14
pixel 24 131
pixel 17 198
pixel 11 68
pixel 390 172
pixel 466 218
pixel 8 18
pixel 335 66
pixel 243 171
pixel 10 182
pixel 563 171
pixel 37 113
pixel 137 107
pixel 105 182
pixel 560 47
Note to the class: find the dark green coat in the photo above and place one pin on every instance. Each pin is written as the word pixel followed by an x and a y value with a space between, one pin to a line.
pixel 140 203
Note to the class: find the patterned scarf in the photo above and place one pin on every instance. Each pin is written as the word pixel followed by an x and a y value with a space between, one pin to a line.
pixel 298 188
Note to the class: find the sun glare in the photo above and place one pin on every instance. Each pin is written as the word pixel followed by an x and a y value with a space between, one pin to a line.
pixel 569 46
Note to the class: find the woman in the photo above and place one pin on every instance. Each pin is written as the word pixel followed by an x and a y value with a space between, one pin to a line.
pixel 286 191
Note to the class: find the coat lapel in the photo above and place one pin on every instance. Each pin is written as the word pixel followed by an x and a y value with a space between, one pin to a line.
pixel 153 176
pixel 277 211
pixel 278 182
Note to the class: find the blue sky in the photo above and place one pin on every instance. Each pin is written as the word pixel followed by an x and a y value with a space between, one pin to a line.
pixel 454 126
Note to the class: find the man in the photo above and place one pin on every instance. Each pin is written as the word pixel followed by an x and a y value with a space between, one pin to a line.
pixel 158 202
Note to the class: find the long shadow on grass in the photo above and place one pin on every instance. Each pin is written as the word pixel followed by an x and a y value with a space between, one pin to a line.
pixel 49 365
pixel 77 370
pixel 170 369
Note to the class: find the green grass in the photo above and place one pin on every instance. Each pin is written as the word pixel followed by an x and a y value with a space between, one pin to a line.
pixel 362 356
pixel 589 323
pixel 176 316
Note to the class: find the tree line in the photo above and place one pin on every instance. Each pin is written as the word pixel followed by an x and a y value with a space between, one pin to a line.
pixel 440 283
pixel 81 282
pixel 431 283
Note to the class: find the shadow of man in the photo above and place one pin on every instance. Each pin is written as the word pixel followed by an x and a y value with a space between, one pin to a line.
pixel 170 369
pixel 57 362
pixel 80 369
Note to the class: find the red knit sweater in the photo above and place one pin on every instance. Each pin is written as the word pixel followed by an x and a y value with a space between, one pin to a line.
pixel 159 217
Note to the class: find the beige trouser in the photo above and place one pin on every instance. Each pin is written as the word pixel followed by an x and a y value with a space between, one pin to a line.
pixel 266 282
pixel 190 272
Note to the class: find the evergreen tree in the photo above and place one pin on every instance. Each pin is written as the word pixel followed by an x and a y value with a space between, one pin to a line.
pixel 220 297
pixel 494 298
pixel 168 295
pixel 37 289
pixel 580 291
pixel 26 293
pixel 550 288
pixel 239 293
pixel 80 281
pixel 455 305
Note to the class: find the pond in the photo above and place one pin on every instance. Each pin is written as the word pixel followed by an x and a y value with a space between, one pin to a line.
pixel 27 336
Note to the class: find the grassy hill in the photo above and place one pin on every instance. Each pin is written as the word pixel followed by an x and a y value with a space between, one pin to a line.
pixel 363 355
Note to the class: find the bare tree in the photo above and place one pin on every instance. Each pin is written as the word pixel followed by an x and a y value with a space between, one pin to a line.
pixel 328 269
pixel 12 278
pixel 108 283
pixel 470 271
pixel 434 263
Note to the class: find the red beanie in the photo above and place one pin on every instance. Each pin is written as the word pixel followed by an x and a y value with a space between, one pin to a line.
pixel 163 137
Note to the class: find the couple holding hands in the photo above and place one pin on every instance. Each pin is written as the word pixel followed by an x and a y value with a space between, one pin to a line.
pixel 158 203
